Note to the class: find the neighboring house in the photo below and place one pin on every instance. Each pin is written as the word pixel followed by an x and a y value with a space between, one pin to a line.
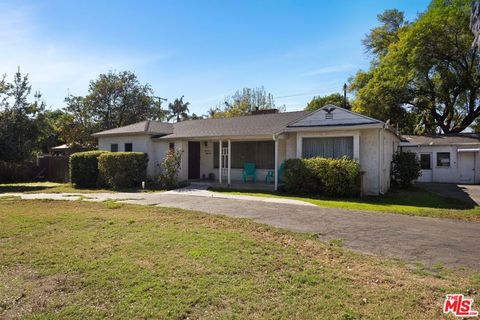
pixel 220 147
pixel 446 158
pixel 65 150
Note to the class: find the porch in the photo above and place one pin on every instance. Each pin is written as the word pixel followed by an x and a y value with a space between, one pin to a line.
pixel 236 185
pixel 221 163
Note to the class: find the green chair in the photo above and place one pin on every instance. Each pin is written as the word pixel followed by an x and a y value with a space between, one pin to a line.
pixel 270 177
pixel 249 171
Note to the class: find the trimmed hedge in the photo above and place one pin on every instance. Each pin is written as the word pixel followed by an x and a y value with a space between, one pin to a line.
pixel 84 169
pixel 123 169
pixel 317 176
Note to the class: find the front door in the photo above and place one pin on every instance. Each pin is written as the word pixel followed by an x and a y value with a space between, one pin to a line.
pixel 426 167
pixel 467 167
pixel 193 160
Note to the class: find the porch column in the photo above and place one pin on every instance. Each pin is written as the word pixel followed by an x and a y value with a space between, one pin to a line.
pixel 220 162
pixel 276 164
pixel 229 160
pixel 356 147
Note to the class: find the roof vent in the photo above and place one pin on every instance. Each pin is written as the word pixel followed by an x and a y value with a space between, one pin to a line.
pixel 329 114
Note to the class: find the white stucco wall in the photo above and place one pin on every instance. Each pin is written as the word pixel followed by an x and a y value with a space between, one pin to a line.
pixel 373 148
pixel 140 143
pixel 450 174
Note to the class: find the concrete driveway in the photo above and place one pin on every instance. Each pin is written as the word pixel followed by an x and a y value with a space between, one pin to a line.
pixel 468 193
pixel 428 240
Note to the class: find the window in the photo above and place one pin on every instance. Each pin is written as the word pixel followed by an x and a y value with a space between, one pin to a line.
pixel 443 159
pixel 114 147
pixel 128 147
pixel 262 153
pixel 335 147
pixel 171 146
pixel 425 161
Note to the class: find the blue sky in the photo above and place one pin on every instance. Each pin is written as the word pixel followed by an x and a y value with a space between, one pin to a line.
pixel 204 50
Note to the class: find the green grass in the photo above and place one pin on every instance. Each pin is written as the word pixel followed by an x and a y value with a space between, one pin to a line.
pixel 80 260
pixel 415 202
pixel 54 187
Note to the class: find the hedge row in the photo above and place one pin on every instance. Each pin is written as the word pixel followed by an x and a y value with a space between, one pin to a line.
pixel 323 176
pixel 114 169
pixel 84 169
pixel 123 169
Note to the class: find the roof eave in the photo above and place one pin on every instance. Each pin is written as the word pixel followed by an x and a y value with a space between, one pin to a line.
pixel 330 127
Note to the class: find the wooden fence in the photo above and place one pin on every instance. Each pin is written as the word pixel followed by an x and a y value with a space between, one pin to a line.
pixel 53 168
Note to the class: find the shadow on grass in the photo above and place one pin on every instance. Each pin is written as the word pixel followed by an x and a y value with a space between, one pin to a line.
pixel 416 197
pixel 10 188
pixel 52 187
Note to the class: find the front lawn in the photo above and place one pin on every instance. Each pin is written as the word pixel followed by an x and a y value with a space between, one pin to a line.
pixel 415 202
pixel 85 260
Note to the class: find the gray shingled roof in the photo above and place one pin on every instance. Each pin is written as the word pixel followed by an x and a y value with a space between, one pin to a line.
pixel 253 125
pixel 442 140
pixel 145 127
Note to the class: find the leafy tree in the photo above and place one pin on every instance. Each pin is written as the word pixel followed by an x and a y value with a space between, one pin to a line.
pixel 319 102
pixel 243 103
pixel 424 75
pixel 18 118
pixel 119 99
pixel 178 110
pixel 77 124
pixel 48 130
pixel 113 100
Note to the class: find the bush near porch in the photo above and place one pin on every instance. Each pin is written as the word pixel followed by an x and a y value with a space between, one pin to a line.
pixel 123 169
pixel 322 176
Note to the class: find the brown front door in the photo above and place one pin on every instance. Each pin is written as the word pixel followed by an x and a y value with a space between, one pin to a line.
pixel 193 160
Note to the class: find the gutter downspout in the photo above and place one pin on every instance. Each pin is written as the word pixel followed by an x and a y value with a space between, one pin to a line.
pixel 380 158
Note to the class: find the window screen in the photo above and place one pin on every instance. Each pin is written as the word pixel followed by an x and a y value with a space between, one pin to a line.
pixel 335 147
pixel 443 159
pixel 128 147
pixel 114 147
pixel 262 153
pixel 425 161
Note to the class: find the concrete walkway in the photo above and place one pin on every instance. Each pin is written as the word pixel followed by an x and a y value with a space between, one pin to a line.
pixel 428 240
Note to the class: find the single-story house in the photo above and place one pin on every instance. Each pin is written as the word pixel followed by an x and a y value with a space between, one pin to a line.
pixel 446 158
pixel 220 147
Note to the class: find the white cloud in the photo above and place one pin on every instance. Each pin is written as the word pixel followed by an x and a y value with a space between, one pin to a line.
pixel 331 69
pixel 55 67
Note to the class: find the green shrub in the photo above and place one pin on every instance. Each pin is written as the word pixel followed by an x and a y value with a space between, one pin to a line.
pixel 123 169
pixel 405 169
pixel 333 177
pixel 84 169
pixel 168 178
pixel 299 179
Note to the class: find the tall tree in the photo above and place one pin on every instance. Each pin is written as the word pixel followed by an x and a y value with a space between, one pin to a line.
pixel 18 118
pixel 243 102
pixel 319 102
pixel 119 99
pixel 428 70
pixel 178 110
pixel 113 100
